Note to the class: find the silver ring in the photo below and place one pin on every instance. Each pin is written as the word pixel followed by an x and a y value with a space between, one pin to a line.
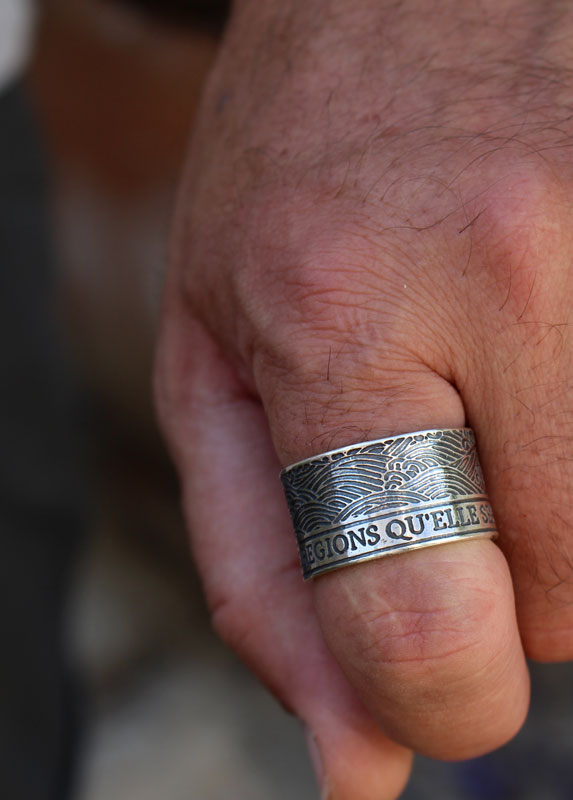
pixel 387 496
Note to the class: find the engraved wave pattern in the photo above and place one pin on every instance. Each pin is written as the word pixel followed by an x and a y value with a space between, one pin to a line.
pixel 397 473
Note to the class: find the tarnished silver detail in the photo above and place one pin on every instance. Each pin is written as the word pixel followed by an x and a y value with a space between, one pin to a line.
pixel 387 496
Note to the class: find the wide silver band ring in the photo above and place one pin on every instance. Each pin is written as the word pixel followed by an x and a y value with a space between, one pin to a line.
pixel 387 496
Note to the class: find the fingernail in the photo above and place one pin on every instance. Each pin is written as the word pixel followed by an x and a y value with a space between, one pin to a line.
pixel 318 766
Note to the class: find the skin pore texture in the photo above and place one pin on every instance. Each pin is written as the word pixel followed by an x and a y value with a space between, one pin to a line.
pixel 374 236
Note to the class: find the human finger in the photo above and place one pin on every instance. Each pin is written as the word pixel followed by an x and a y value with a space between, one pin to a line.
pixel 518 396
pixel 247 557
pixel 429 639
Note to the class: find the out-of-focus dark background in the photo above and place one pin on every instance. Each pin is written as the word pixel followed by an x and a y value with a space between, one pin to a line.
pixel 113 686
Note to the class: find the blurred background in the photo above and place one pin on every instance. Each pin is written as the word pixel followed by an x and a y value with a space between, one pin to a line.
pixel 113 686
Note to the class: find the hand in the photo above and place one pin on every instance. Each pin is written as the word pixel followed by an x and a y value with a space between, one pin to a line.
pixel 374 237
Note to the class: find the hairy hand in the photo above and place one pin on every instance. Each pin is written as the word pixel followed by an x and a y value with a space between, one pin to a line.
pixel 374 236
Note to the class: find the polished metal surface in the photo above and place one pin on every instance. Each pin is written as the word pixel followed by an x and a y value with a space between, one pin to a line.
pixel 387 496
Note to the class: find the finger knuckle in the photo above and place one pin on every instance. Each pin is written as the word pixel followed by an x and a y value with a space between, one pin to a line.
pixel 521 238
pixel 431 639
pixel 231 620
pixel 419 641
